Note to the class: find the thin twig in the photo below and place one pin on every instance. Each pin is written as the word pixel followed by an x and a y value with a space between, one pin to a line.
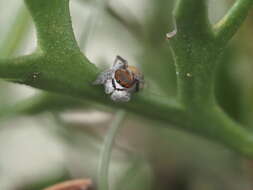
pixel 129 21
pixel 103 169
pixel 92 22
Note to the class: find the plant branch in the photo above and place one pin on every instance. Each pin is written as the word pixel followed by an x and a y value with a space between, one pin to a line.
pixel 192 17
pixel 53 24
pixel 21 69
pixel 194 53
pixel 231 22
pixel 45 71
pixel 103 169
pixel 91 23
pixel 128 21
pixel 214 124
pixel 62 68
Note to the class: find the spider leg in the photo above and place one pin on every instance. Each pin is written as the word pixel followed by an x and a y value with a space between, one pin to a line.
pixel 120 63
pixel 137 87
pixel 109 88
pixel 120 96
pixel 103 77
pixel 140 82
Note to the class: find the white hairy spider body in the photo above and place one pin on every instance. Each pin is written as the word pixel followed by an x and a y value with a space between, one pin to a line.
pixel 121 80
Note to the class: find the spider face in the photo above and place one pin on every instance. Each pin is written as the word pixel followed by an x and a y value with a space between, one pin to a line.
pixel 121 80
pixel 125 78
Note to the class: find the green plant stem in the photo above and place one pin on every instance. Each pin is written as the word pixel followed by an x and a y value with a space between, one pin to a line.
pixel 218 126
pixel 192 18
pixel 231 22
pixel 55 21
pixel 19 69
pixel 103 170
pixel 60 67
pixel 194 53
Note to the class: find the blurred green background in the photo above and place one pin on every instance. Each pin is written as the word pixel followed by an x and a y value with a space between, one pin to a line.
pixel 38 150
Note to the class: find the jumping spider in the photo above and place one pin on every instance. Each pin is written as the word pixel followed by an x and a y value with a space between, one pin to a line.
pixel 121 81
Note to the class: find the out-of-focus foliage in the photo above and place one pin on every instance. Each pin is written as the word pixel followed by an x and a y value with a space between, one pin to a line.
pixel 148 154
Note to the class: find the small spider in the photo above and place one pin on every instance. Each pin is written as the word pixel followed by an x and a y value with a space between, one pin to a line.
pixel 121 80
